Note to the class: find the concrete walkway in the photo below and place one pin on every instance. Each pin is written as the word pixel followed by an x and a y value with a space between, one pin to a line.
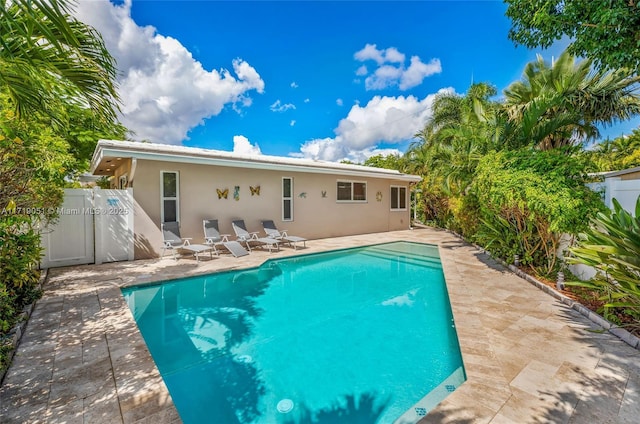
pixel 528 358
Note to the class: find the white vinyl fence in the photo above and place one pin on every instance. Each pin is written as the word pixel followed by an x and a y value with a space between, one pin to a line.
pixel 624 191
pixel 94 226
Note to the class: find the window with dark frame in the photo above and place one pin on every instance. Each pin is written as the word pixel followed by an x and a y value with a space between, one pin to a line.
pixel 351 191
pixel 169 196
pixel 287 199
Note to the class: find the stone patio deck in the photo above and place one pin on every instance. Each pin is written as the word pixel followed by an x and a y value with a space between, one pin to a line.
pixel 528 357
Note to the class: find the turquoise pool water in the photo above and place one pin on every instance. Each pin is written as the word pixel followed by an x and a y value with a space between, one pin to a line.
pixel 361 335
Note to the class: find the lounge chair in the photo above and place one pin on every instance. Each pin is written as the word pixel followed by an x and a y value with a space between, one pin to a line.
pixel 242 235
pixel 273 232
pixel 171 240
pixel 213 238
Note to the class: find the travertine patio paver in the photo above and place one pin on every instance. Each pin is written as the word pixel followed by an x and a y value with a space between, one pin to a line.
pixel 528 358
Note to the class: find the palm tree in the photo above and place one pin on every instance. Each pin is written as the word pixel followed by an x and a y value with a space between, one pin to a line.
pixel 611 155
pixel 562 103
pixel 49 59
pixel 458 133
pixel 449 110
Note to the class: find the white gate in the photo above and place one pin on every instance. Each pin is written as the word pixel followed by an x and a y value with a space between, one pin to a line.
pixel 94 226
pixel 113 225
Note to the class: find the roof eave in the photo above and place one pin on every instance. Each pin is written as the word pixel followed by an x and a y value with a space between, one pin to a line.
pixel 107 150
pixel 623 172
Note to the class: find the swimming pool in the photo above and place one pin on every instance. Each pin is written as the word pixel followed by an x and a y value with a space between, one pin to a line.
pixel 356 335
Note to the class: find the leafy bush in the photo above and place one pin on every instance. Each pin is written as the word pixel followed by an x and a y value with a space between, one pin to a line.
pixel 528 199
pixel 612 246
pixel 434 203
pixel 466 214
pixel 32 174
pixel 19 253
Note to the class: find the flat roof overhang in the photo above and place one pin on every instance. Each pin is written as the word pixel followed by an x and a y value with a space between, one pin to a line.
pixel 109 155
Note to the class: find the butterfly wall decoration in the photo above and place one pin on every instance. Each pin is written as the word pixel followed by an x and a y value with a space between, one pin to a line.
pixel 236 193
pixel 255 191
pixel 222 194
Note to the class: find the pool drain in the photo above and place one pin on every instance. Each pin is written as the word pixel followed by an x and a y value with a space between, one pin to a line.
pixel 285 405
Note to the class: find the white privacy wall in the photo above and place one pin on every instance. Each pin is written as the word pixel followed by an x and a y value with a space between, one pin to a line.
pixel 624 191
pixel 93 226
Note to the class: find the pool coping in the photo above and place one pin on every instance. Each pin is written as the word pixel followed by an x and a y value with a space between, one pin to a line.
pixel 83 359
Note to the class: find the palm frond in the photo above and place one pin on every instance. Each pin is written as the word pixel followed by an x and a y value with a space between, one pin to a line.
pixel 47 53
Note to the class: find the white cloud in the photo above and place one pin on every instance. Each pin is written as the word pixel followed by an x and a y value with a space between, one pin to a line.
pixel 294 85
pixel 307 100
pixel 362 70
pixel 370 52
pixel 392 55
pixel 418 71
pixel 324 149
pixel 292 123
pixel 382 120
pixel 165 92
pixel 243 146
pixel 339 102
pixel 385 76
pixel 387 119
pixel 392 70
pixel 278 106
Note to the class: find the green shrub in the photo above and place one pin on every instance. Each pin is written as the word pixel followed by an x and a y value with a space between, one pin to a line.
pixel 466 215
pixel 19 256
pixel 612 246
pixel 434 203
pixel 19 253
pixel 528 199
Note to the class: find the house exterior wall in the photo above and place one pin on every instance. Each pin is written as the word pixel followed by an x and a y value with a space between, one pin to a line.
pixel 314 216
pixel 630 176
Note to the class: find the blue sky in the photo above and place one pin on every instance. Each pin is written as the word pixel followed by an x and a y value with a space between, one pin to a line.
pixel 323 80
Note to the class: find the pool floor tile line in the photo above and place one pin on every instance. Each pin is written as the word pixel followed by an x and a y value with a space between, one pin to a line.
pixel 528 357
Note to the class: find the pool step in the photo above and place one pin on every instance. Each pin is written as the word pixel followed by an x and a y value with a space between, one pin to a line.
pixel 408 259
pixel 389 252
pixel 427 252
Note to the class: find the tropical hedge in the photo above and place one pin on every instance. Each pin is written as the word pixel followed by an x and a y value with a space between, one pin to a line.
pixel 510 173
pixel 611 245
pixel 34 162
pixel 57 98
pixel 528 200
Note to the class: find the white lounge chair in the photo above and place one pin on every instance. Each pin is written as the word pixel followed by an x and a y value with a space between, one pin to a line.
pixel 273 232
pixel 242 235
pixel 212 237
pixel 171 240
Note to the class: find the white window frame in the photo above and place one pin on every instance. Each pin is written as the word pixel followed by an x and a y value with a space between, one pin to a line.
pixel 352 182
pixel 406 190
pixel 289 198
pixel 163 198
